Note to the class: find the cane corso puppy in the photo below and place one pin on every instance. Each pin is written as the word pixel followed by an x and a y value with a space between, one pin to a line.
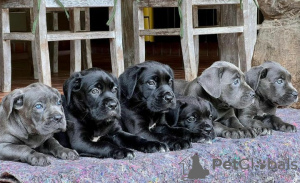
pixel 195 114
pixel 272 85
pixel 28 119
pixel 93 111
pixel 147 95
pixel 223 84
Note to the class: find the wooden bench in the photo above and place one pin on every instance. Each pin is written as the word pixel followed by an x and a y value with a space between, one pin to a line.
pixel 42 36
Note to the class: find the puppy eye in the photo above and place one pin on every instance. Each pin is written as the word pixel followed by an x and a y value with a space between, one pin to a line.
pixel 58 102
pixel 236 82
pixel 170 82
pixel 210 116
pixel 191 119
pixel 95 91
pixel 38 106
pixel 151 83
pixel 279 81
pixel 114 89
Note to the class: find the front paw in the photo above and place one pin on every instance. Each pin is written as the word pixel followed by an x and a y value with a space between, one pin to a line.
pixel 263 131
pixel 285 127
pixel 178 144
pixel 67 154
pixel 233 133
pixel 154 146
pixel 122 153
pixel 38 159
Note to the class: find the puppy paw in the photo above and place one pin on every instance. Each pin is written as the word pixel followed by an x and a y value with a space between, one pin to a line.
pixel 239 133
pixel 263 131
pixel 153 146
pixel 38 159
pixel 286 127
pixel 122 153
pixel 200 138
pixel 67 154
pixel 179 144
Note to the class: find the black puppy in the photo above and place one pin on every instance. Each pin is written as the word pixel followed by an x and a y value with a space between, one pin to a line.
pixel 272 85
pixel 195 114
pixel 146 95
pixel 93 111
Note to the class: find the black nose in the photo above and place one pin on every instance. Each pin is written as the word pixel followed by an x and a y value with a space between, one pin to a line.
pixel 112 105
pixel 295 93
pixel 252 94
pixel 57 117
pixel 168 97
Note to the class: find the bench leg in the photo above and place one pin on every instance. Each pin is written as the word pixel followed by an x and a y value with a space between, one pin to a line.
pixel 196 38
pixel 139 41
pixel 5 52
pixel 86 44
pixel 75 45
pixel 54 45
pixel 116 47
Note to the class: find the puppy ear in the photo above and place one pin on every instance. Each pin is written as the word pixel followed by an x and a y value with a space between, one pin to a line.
pixel 170 71
pixel 73 84
pixel 210 80
pixel 173 115
pixel 213 111
pixel 254 75
pixel 128 81
pixel 14 100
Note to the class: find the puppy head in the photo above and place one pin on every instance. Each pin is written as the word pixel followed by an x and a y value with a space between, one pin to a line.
pixel 272 82
pixel 92 95
pixel 37 107
pixel 149 84
pixel 226 82
pixel 195 114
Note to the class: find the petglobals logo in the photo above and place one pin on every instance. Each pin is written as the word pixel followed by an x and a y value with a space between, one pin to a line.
pixel 192 168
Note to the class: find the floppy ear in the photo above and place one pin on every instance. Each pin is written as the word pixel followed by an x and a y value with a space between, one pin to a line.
pixel 73 84
pixel 214 111
pixel 173 115
pixel 254 75
pixel 210 80
pixel 14 100
pixel 171 74
pixel 128 81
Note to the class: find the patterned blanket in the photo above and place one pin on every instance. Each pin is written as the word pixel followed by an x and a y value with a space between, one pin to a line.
pixel 273 158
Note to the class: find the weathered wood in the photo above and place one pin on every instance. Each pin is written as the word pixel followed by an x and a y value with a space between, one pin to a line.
pixel 67 35
pixel 42 51
pixel 158 3
pixel 160 32
pixel 80 3
pixel 116 47
pixel 54 54
pixel 139 41
pixel 86 44
pixel 218 30
pixel 22 36
pixel 196 38
pixel 187 42
pixel 33 50
pixel 75 45
pixel 5 52
pixel 214 2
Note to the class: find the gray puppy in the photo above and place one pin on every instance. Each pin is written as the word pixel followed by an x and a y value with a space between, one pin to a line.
pixel 223 84
pixel 273 88
pixel 29 118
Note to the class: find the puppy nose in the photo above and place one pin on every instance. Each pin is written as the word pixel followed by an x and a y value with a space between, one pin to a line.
pixel 252 94
pixel 295 93
pixel 111 105
pixel 168 97
pixel 57 117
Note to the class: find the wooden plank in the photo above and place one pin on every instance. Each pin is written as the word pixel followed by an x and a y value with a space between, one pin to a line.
pixel 54 54
pixel 86 44
pixel 80 3
pixel 5 52
pixel 214 2
pixel 139 41
pixel 187 42
pixel 16 4
pixel 41 43
pixel 75 45
pixel 218 30
pixel 116 45
pixel 33 50
pixel 67 35
pixel 196 37
pixel 158 3
pixel 160 32
pixel 22 36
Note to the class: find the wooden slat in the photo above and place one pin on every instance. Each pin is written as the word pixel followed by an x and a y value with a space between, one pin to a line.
pixel 80 3
pixel 215 2
pixel 139 41
pixel 158 3
pixel 75 45
pixel 160 32
pixel 17 4
pixel 22 36
pixel 67 35
pixel 218 30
